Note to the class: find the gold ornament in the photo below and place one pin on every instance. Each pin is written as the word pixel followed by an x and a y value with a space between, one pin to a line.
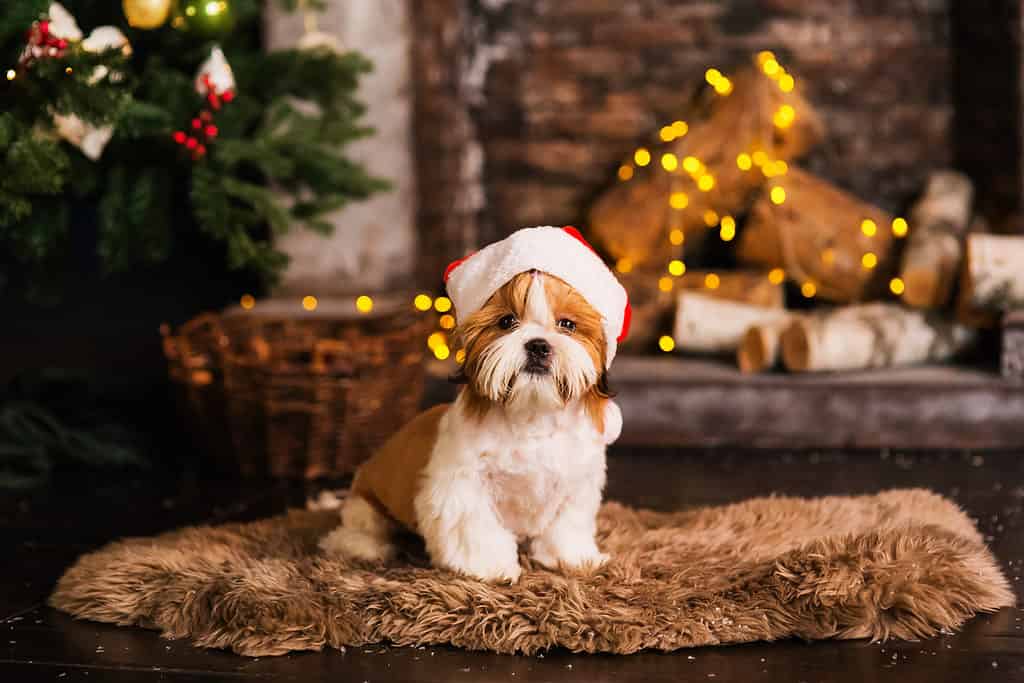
pixel 147 14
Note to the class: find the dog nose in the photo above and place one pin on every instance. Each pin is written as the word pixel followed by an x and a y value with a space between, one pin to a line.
pixel 538 348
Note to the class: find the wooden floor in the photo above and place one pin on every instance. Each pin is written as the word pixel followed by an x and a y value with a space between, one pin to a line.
pixel 45 531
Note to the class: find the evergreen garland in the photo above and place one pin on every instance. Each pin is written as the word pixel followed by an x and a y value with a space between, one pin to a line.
pixel 277 160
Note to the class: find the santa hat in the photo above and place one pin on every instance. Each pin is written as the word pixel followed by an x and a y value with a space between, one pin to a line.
pixel 561 252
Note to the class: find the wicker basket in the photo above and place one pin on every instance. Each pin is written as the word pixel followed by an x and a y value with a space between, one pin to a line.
pixel 296 394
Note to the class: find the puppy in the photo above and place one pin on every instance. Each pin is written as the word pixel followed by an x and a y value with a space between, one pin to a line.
pixel 519 457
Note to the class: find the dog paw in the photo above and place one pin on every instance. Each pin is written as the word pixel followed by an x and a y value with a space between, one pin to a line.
pixel 585 557
pixel 356 545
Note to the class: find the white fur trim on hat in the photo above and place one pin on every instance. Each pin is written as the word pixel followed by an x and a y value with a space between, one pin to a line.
pixel 561 252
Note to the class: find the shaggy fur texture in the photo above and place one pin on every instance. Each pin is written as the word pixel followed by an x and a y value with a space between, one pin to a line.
pixel 900 564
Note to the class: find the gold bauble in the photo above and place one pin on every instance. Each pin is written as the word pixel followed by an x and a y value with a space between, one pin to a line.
pixel 147 14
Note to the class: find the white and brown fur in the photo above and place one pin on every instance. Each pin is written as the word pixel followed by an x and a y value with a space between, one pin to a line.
pixel 518 457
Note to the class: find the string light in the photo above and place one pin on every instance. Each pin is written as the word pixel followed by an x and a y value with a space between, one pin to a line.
pixel 778 195
pixel 678 200
pixel 676 237
pixel 763 56
pixel 460 356
pixel 442 304
pixel 11 74
pixel 309 302
pixel 712 76
pixel 786 83
pixel 624 265
pixel 760 158
pixel 727 230
pixel 441 352
pixel 744 162
pixel 447 321
pixel 771 68
pixel 775 168
pixel 676 267
pixel 711 218
pixel 436 339
pixel 784 117
pixel 666 343
pixel 692 165
pixel 896 286
pixel 705 183
pixel 723 87
pixel 625 172
pixel 680 128
pixel 776 276
pixel 364 304
pixel 667 133
pixel 869 260
pixel 712 281
pixel 808 289
pixel 900 227
pixel 68 70
pixel 422 302
pixel 669 161
pixel 665 284
pixel 642 156
pixel 247 301
pixel 868 227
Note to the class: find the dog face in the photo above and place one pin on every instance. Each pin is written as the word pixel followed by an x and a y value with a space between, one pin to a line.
pixel 536 344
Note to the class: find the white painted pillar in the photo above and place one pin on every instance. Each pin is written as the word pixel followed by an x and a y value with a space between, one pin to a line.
pixel 373 245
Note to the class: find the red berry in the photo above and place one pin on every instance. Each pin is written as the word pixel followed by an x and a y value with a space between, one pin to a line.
pixel 214 101
pixel 201 150
pixel 211 131
pixel 191 143
pixel 205 115
pixel 179 137
pixel 44 27
pixel 62 44
pixel 228 95
pixel 197 124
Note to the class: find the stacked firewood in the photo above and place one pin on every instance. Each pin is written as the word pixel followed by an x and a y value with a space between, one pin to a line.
pixel 884 291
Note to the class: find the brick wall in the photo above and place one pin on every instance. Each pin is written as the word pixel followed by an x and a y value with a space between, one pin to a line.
pixel 557 92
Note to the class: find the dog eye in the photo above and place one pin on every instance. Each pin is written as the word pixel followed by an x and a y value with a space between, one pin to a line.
pixel 567 325
pixel 507 322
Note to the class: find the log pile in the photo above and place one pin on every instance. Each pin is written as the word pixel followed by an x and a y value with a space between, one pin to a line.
pixel 867 289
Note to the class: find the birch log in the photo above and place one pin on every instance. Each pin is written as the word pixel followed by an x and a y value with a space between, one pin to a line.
pixel 760 347
pixel 993 276
pixel 939 221
pixel 870 336
pixel 705 323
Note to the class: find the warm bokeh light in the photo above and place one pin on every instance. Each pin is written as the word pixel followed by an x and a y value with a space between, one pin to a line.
pixel 712 281
pixel 666 343
pixel 625 172
pixel 723 86
pixel 868 227
pixel 665 284
pixel 422 302
pixel 11 74
pixel 678 200
pixel 309 302
pixel 460 356
pixel 771 67
pixel 760 158
pixel 897 286
pixel 441 352
pixel 247 301
pixel 710 218
pixel 676 267
pixel 776 276
pixel 667 133
pixel 442 304
pixel 744 162
pixel 778 195
pixel 712 76
pixel 642 157
pixel 784 117
pixel 624 265
pixel 786 83
pixel 680 128
pixel 364 304
pixel 676 237
pixel 869 260
pixel 669 162
pixel 691 164
pixel 447 321
pixel 808 289
pixel 436 339
pixel 705 183
pixel 727 229
pixel 900 227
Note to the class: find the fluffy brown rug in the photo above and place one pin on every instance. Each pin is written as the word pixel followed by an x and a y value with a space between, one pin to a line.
pixel 902 564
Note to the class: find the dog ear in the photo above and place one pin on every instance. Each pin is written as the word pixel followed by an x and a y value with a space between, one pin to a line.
pixel 601 387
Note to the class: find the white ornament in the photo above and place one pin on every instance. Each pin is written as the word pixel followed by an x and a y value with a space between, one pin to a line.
pixel 218 71
pixel 318 39
pixel 85 136
pixel 105 38
pixel 62 24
